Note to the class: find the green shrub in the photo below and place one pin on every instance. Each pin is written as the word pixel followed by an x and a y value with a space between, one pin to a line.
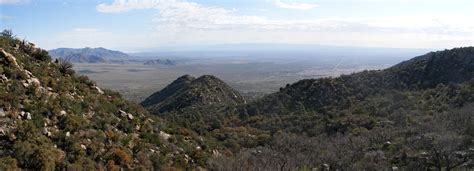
pixel 41 55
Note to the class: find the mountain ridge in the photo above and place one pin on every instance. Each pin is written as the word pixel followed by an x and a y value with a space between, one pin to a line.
pixel 88 55
pixel 411 74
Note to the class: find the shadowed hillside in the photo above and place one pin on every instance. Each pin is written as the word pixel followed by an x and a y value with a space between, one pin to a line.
pixel 188 91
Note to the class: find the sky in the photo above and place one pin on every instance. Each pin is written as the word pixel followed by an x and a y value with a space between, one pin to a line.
pixel 144 25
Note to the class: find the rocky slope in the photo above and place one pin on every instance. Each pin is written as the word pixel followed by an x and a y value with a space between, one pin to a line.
pixel 52 119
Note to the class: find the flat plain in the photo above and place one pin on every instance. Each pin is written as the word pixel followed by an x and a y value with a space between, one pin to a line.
pixel 136 81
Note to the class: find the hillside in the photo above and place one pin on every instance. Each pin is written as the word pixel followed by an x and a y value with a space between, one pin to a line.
pixel 53 119
pixel 188 91
pixel 415 115
pixel 89 55
pixel 423 72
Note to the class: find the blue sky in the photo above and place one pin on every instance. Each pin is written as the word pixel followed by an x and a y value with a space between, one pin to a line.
pixel 140 25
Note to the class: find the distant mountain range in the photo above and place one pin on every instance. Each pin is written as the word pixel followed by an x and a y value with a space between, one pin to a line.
pixel 160 62
pixel 102 55
pixel 89 55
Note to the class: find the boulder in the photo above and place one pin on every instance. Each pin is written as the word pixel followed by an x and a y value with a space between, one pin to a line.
pixel 123 113
pixel 130 116
pixel 99 90
pixel 164 135
pixel 9 58
pixel 2 113
pixel 28 115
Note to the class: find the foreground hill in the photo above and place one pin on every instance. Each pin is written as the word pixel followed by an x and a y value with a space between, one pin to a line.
pixel 53 119
pixel 88 55
pixel 188 91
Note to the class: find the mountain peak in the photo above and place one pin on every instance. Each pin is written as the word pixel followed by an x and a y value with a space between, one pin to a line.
pixel 185 78
pixel 187 91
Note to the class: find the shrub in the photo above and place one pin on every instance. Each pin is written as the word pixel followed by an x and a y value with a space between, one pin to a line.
pixel 65 66
pixel 8 33
pixel 41 55
pixel 121 157
pixel 8 163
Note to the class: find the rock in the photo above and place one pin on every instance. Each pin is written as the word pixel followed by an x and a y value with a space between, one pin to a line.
pixel 164 135
pixel 9 58
pixel 123 113
pixel 49 89
pixel 28 115
pixel 394 168
pixel 130 116
pixel 28 73
pixel 4 77
pixel 46 132
pixel 137 127
pixel 62 113
pixel 12 137
pixel 99 90
pixel 22 113
pixel 2 132
pixel 68 134
pixel 46 121
pixel 34 81
pixel 216 153
pixel 2 113
pixel 83 147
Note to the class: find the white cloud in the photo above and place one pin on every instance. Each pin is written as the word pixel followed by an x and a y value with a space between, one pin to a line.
pixel 13 2
pixel 177 14
pixel 127 5
pixel 182 22
pixel 295 5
